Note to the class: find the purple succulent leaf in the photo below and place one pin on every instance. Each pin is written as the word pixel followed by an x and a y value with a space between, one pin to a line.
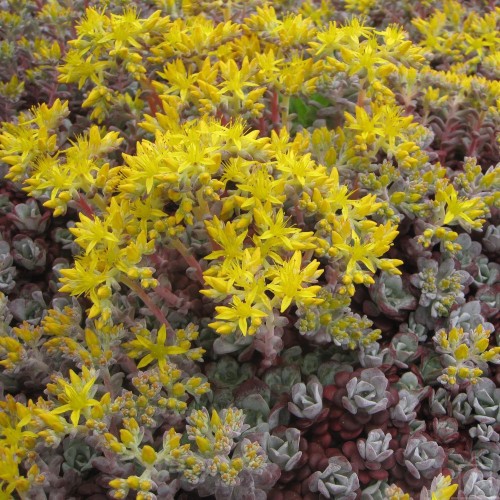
pixel 28 253
pixel 285 452
pixel 445 268
pixel 491 239
pixel 7 283
pixel 256 403
pixel 351 387
pixel 469 251
pixel 477 486
pixel 468 316
pixel 364 386
pixel 28 308
pixel 484 433
pixel 367 392
pixel 412 326
pixel 380 406
pixel 372 356
pixel 484 398
pixel 461 409
pixel 446 429
pixel 337 481
pixel 349 406
pixel 307 400
pixel 487 457
pixel 412 469
pixel 489 297
pixel 27 217
pixel 391 296
pixel 487 272
pixel 404 348
pixel 230 343
pixel 409 381
pixel 404 410
pixel 416 426
pixel 376 447
pixel 423 457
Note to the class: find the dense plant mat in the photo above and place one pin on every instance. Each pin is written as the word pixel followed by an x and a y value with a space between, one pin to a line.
pixel 249 249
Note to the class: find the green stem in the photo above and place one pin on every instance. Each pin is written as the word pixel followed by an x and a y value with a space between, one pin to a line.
pixel 204 207
pixel 361 95
pixel 228 11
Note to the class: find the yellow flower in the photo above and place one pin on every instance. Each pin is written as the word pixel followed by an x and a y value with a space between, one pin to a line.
pixel 77 395
pixel 465 212
pixel 376 244
pixel 299 169
pixel 289 279
pixel 179 78
pixel 227 238
pixel 262 187
pixel 10 477
pixel 90 273
pixel 155 350
pixel 235 79
pixel 277 234
pixel 92 232
pixel 78 69
pixel 12 350
pixel 239 312
pixel 368 127
pixel 148 455
pixel 204 444
pixel 13 417
pixel 464 352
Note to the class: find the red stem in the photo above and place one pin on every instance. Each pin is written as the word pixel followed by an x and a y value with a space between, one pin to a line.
pixel 148 301
pixel 169 296
pixel 471 150
pixel 86 208
pixel 298 215
pixel 154 101
pixel 190 260
pixel 262 126
pixel 220 116
pixel 275 111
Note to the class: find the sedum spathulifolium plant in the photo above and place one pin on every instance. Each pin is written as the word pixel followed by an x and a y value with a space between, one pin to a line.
pixel 242 248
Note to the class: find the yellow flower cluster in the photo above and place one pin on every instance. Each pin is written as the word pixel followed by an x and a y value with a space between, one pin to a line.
pixel 214 442
pixel 455 32
pixel 17 439
pixel 465 354
pixel 207 145
pixel 265 271
pixel 128 446
pixel 452 210
pixel 227 68
pixel 216 167
pixel 441 489
pixel 185 166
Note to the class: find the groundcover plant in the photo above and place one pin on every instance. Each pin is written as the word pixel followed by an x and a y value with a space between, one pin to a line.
pixel 248 249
